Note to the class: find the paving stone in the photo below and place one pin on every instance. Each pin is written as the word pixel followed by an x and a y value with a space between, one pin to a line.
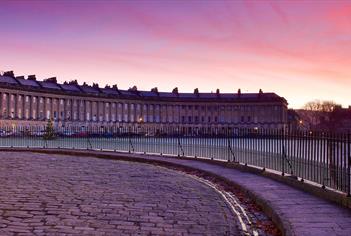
pixel 301 210
pixel 57 195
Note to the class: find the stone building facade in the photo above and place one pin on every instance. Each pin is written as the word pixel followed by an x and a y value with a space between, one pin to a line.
pixel 31 103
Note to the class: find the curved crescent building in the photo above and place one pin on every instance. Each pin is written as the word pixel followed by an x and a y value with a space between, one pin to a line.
pixel 29 102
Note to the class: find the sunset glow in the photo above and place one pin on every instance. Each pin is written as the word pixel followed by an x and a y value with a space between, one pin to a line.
pixel 300 50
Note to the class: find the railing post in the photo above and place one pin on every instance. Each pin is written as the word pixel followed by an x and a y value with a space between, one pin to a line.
pixel 180 148
pixel 282 150
pixel 349 164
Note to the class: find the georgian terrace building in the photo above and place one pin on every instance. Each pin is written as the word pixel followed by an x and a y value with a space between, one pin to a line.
pixel 30 103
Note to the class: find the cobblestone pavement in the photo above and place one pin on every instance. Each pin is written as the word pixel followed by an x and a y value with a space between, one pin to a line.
pixel 304 214
pixel 54 195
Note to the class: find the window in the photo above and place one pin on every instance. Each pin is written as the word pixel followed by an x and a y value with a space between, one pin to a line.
pixel 151 118
pixel 189 119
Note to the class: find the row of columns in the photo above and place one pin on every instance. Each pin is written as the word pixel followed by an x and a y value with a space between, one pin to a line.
pixel 32 107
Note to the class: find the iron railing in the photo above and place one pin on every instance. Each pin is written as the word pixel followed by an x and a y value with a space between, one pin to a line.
pixel 320 157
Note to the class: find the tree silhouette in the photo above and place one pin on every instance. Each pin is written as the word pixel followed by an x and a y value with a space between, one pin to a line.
pixel 49 131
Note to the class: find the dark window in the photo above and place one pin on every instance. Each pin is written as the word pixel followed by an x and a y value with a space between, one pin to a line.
pixel 216 119
pixel 209 119
pixel 189 119
pixel 202 119
pixel 196 107
pixel 183 119
pixel 242 119
pixel 196 119
pixel 249 119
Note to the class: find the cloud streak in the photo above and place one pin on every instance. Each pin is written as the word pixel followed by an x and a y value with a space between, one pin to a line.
pixel 189 43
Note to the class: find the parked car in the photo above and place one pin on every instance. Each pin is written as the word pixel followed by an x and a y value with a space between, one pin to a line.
pixel 68 133
pixel 81 134
pixel 5 133
pixel 39 133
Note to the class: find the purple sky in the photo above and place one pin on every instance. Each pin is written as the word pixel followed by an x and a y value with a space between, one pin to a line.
pixel 298 49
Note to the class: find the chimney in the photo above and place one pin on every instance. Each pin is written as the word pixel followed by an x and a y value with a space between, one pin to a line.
pixel 52 80
pixel 175 90
pixel 154 90
pixel 9 74
pixel 32 77
pixel 196 92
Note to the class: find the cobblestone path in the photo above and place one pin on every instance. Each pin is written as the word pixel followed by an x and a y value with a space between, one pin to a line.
pixel 56 195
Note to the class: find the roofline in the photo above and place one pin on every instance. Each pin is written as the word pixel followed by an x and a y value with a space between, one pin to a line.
pixel 218 97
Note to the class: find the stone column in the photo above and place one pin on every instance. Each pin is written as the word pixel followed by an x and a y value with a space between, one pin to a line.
pixel 1 105
pixel 15 106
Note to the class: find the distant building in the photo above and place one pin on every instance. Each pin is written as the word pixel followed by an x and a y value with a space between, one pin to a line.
pixel 341 119
pixel 338 120
pixel 29 102
pixel 294 120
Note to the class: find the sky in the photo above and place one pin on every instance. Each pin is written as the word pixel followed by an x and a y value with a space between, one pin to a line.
pixel 297 49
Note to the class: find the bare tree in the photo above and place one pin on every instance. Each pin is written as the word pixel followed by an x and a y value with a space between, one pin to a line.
pixel 321 106
pixel 319 113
